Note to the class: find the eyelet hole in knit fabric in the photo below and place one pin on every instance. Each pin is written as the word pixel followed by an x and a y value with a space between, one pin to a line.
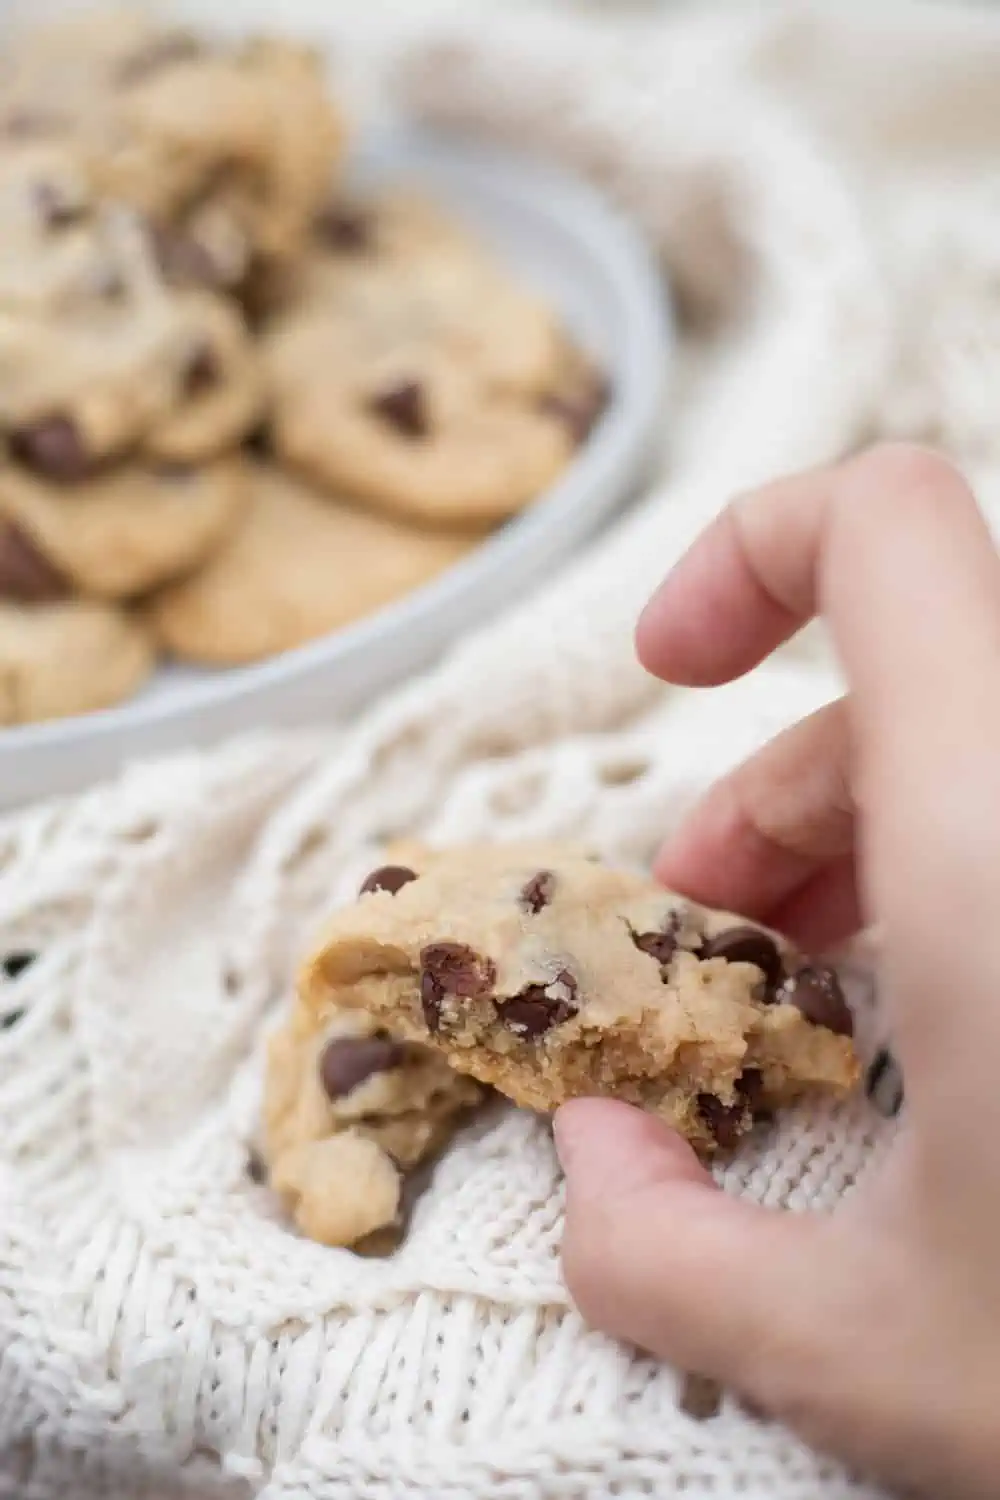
pixel 623 772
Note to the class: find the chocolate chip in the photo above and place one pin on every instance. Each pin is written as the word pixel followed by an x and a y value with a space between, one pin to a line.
pixel 459 969
pixel 389 878
pixel 746 945
pixel 452 969
pixel 724 1121
pixel 345 229
pixel 539 1007
pixel 163 52
pixel 537 893
pixel 348 1061
pixel 578 411
pixel 750 1088
pixel 13 965
pixel 201 371
pixel 55 209
pixel 816 992
pixel 659 945
pixel 183 260
pixel 255 1168
pixel 26 575
pixel 10 1018
pixel 258 442
pixel 404 407
pixel 700 1398
pixel 884 1083
pixel 52 446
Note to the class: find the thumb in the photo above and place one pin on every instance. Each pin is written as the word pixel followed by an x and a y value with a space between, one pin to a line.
pixel 656 1254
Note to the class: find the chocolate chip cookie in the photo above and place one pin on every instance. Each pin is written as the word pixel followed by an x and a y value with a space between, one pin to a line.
pixel 550 975
pixel 414 372
pixel 111 361
pixel 117 534
pixel 298 565
pixel 228 151
pixel 68 657
pixel 348 1113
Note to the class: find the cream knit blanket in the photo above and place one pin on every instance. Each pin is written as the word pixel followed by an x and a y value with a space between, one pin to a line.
pixel 823 186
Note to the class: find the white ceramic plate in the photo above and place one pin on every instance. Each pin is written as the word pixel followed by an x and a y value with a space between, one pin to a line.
pixel 559 236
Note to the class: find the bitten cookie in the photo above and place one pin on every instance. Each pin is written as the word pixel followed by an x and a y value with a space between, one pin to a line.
pixel 348 1112
pixel 299 564
pixel 68 658
pixel 550 975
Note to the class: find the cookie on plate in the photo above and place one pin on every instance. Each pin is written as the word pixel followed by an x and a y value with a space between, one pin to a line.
pixel 539 970
pixel 115 361
pixel 417 431
pixel 228 150
pixel 348 1113
pixel 412 370
pixel 69 657
pixel 118 534
pixel 299 564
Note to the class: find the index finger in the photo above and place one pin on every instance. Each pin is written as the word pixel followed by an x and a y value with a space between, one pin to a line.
pixel 891 549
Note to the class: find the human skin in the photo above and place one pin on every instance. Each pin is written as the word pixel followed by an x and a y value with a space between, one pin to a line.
pixel 874 1331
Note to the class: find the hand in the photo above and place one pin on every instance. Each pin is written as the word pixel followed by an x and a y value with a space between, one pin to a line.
pixel 875 1331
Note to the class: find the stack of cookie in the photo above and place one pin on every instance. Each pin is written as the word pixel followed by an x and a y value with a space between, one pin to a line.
pixel 237 412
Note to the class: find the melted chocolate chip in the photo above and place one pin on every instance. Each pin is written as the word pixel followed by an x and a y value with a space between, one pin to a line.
pixel 750 1088
pixel 163 52
pixel 258 441
pixel 432 995
pixel 404 407
pixel 51 446
pixel 816 992
pixel 345 229
pixel 659 945
pixel 725 1121
pixel 539 1007
pixel 55 209
pixel 348 1061
pixel 746 945
pixel 13 965
pixel 452 969
pixel 389 878
pixel 26 575
pixel 255 1168
pixel 537 893
pixel 700 1398
pixel 578 411
pixel 459 969
pixel 202 370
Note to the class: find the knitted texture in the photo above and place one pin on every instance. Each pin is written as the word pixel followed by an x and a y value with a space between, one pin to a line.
pixel 811 178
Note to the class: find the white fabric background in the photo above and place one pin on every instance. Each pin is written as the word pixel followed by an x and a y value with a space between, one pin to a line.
pixel 823 185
